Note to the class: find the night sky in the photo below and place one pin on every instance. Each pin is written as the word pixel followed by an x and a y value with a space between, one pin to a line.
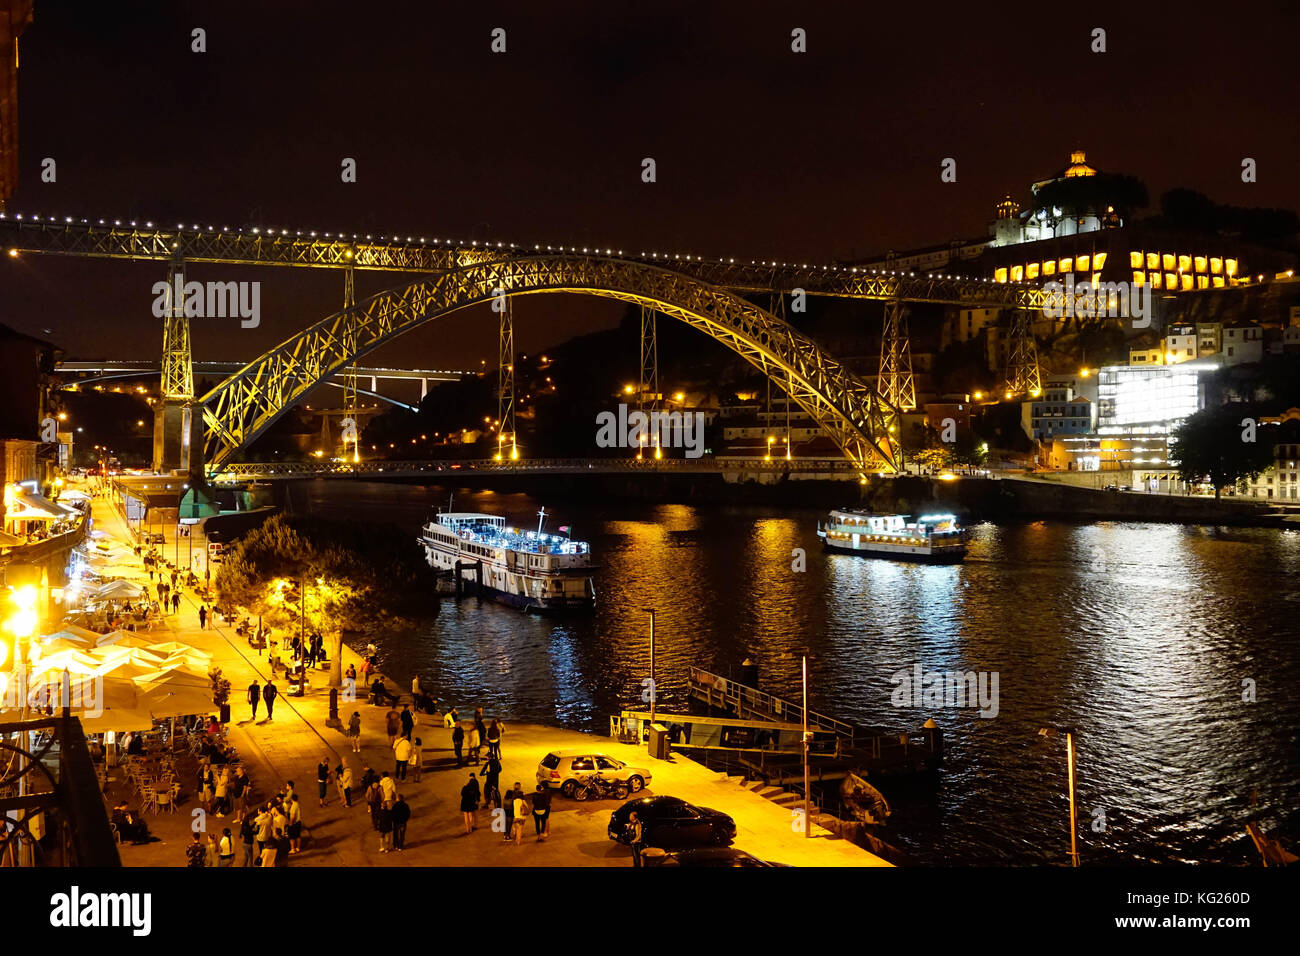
pixel 761 152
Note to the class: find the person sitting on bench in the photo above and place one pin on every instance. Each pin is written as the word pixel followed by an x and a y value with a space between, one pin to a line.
pixel 129 826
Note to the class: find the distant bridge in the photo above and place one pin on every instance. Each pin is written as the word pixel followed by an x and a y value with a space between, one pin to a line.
pixel 454 470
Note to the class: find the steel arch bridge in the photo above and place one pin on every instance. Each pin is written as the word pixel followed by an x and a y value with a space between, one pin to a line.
pixel 860 422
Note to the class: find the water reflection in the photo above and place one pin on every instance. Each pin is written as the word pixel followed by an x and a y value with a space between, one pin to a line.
pixel 1137 636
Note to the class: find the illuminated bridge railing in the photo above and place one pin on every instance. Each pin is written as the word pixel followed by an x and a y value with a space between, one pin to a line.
pixel 116 239
pixel 235 471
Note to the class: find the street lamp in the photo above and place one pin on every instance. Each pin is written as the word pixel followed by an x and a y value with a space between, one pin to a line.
pixel 807 783
pixel 1069 756
pixel 653 694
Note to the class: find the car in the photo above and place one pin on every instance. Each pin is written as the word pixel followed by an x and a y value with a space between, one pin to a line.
pixel 711 856
pixel 1112 487
pixel 562 768
pixel 668 823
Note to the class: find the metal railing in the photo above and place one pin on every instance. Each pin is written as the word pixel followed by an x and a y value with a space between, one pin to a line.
pixel 743 697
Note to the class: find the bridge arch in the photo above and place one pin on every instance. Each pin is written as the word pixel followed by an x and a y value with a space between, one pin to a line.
pixel 243 406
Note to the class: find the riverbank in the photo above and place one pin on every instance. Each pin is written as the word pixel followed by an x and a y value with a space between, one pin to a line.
pixel 290 746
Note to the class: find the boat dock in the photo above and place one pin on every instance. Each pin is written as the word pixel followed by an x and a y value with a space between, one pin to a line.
pixel 871 751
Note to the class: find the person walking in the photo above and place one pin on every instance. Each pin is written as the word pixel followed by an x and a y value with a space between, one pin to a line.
pixel 196 853
pixel 226 849
pixel 417 759
pixel 387 788
pixel 374 801
pixel 481 728
pixel 401 754
pixel 294 828
pixel 248 833
pixel 475 744
pixel 384 824
pixel 522 812
pixel 176 602
pixel 508 804
pixel 268 695
pixel 458 744
pixel 491 777
pixel 393 723
pixel 494 740
pixel 343 781
pixel 354 731
pixel 401 816
pixel 407 720
pixel 254 696
pixel 469 797
pixel 322 779
pixel 542 812
pixel 203 616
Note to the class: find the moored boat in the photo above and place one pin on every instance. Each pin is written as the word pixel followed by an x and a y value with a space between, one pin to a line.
pixel 529 569
pixel 934 538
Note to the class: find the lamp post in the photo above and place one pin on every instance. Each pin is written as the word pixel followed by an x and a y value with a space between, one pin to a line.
pixel 653 689
pixel 807 783
pixel 1069 757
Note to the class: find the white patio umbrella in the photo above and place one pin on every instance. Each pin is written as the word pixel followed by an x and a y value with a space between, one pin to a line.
pixel 119 589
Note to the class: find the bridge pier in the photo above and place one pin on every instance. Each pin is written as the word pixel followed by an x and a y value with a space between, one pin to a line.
pixel 177 437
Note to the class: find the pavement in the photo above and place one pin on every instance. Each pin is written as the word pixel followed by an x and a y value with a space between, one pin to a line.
pixel 290 746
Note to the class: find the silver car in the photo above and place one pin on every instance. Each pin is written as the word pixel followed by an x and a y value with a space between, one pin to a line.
pixel 563 768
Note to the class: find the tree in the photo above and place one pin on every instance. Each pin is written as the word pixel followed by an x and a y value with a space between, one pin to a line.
pixel 341 575
pixel 1219 443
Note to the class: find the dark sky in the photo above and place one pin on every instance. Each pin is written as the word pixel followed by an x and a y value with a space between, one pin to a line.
pixel 761 152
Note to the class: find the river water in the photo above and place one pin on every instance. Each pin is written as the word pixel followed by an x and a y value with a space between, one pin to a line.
pixel 1146 639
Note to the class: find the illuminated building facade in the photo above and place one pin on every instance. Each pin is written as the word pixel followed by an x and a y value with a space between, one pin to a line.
pixel 1282 478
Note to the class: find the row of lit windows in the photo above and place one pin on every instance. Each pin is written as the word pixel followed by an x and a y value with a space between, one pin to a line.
pixel 1178 281
pixel 1170 262
pixel 1051 267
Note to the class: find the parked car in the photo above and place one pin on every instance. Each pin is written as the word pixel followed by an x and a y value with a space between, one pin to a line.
pixel 712 856
pixel 668 822
pixel 563 768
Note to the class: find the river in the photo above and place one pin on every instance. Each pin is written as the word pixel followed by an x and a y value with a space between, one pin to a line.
pixel 1147 639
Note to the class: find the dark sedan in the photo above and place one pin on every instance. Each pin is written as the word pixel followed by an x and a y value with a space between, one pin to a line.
pixel 670 822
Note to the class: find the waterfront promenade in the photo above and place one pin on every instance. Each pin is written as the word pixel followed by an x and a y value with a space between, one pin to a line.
pixel 291 746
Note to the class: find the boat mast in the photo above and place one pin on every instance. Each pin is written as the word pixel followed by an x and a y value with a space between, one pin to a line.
pixel 541 516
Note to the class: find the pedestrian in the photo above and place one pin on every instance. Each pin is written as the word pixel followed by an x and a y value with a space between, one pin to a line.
pixel 207 785
pixel 176 602
pixel 401 754
pixel 226 849
pixel 294 829
pixel 322 779
pixel 265 832
pixel 195 853
pixel 458 743
pixel 449 718
pixel 387 788
pixel 203 616
pixel 213 852
pixel 494 740
pixel 481 728
pixel 491 775
pixel 415 687
pixel 254 696
pixel 354 731
pixel 522 812
pixel 508 804
pixel 248 833
pixel 240 790
pixel 374 801
pixel 394 725
pixel 407 720
pixel 221 792
pixel 469 796
pixel 268 695
pixel 636 836
pixel 343 781
pixel 401 815
pixel 542 812
pixel 475 744
pixel 417 759
pixel 384 824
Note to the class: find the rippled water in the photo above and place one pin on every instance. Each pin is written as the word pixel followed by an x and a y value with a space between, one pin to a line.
pixel 1139 636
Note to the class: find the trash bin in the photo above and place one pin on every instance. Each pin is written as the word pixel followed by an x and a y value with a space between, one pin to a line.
pixel 659 741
